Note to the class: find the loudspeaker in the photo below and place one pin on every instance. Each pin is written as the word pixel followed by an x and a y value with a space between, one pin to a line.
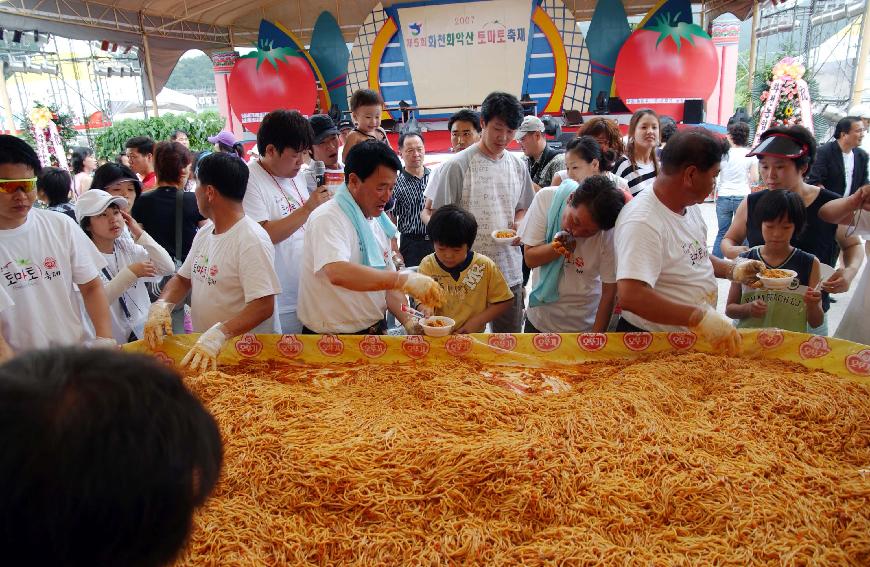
pixel 616 106
pixel 693 111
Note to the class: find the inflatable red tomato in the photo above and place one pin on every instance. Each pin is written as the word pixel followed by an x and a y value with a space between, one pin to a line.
pixel 268 79
pixel 661 66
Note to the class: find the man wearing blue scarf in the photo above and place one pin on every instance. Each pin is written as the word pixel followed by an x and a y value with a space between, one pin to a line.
pixel 348 279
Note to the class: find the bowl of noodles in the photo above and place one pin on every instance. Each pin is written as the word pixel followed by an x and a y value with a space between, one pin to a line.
pixel 776 278
pixel 437 326
pixel 504 236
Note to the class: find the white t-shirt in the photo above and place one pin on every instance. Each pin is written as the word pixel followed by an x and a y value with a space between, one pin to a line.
pixel 667 251
pixel 580 286
pixel 40 263
pixel 734 177
pixel 855 325
pixel 269 198
pixel 326 308
pixel 849 167
pixel 493 191
pixel 227 271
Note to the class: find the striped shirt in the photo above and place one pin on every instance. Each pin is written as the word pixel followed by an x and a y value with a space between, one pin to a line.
pixel 638 178
pixel 408 202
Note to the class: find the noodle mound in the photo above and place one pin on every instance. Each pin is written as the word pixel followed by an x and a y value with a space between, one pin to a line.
pixel 674 460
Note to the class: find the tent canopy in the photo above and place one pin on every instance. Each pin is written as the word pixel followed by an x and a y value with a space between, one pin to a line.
pixel 175 26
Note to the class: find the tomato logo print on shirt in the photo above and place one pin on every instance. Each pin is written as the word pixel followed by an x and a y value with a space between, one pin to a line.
pixel 213 271
pixel 415 346
pixel 373 346
pixel 290 346
pixel 695 251
pixel 202 271
pixel 814 347
pixel 22 273
pixel 330 345
pixel 770 338
pixel 502 341
pixel 249 345
pixel 591 342
pixel 459 345
pixel 49 263
pixel 859 363
pixel 637 341
pixel 682 341
pixel 547 342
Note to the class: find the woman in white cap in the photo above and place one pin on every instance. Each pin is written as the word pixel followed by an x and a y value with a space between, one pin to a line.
pixel 128 262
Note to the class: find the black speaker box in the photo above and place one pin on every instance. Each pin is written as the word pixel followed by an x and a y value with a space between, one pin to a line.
pixel 616 106
pixel 693 111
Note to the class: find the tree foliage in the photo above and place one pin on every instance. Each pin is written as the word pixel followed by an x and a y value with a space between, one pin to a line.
pixel 192 73
pixel 110 142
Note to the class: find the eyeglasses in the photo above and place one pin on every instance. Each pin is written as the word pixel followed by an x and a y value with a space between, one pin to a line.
pixel 13 185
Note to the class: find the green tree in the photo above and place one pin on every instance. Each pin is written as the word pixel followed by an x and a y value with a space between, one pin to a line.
pixel 192 73
pixel 110 142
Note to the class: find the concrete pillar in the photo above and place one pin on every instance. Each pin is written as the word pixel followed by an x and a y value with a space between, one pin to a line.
pixel 720 105
pixel 223 62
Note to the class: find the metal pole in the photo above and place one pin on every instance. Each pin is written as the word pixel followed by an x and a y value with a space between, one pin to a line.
pixel 753 52
pixel 863 50
pixel 150 75
pixel 4 101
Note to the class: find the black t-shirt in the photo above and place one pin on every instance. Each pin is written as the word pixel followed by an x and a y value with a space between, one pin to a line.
pixel 155 211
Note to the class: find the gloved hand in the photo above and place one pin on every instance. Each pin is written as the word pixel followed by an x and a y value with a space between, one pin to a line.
pixel 102 342
pixel 159 323
pixel 745 271
pixel 412 326
pixel 423 288
pixel 718 330
pixel 204 353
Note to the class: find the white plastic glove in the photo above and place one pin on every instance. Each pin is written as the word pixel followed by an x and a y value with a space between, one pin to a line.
pixel 159 323
pixel 102 342
pixel 412 326
pixel 204 353
pixel 423 288
pixel 719 332
pixel 745 271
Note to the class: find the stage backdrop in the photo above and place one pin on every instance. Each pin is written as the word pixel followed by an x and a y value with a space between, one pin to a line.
pixel 453 53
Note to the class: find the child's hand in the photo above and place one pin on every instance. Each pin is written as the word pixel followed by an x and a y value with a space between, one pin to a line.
pixel 812 297
pixel 470 326
pixel 144 269
pixel 426 310
pixel 134 227
pixel 758 309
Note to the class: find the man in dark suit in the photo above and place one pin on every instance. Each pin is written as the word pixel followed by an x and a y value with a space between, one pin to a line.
pixel 840 165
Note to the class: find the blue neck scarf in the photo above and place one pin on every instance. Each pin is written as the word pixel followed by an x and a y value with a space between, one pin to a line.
pixel 371 252
pixel 547 290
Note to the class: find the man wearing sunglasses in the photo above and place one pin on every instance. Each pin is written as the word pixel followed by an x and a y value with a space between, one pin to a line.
pixel 43 255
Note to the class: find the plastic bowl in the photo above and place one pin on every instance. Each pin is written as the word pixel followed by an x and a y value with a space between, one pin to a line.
pixel 777 283
pixel 443 331
pixel 505 240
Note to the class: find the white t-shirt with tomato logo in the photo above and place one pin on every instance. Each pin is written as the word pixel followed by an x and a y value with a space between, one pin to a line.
pixel 227 271
pixel 269 198
pixel 40 263
pixel 593 263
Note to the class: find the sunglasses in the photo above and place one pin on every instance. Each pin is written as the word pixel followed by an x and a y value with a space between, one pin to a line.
pixel 14 185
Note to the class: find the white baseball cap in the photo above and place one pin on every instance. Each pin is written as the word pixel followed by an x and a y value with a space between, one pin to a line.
pixel 94 201
pixel 530 124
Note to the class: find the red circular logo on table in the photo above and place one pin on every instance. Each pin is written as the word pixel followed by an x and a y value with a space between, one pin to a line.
pixel 682 341
pixel 592 342
pixel 770 338
pixel 859 363
pixel 637 341
pixel 547 342
pixel 503 341
pixel 290 346
pixel 330 345
pixel 459 345
pixel 249 345
pixel 814 347
pixel 415 346
pixel 373 346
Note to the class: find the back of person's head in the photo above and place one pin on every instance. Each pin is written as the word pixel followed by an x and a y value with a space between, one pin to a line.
pixel 780 204
pixel 599 126
pixel 226 173
pixel 170 159
pixel 408 135
pixel 504 106
pixel 693 147
pixel 284 129
pixel 15 151
pixel 364 158
pixel 465 115
pixel 739 132
pixel 602 198
pixel 237 149
pixel 801 136
pixel 142 144
pixel 365 97
pixel 79 155
pixel 844 126
pixel 194 162
pixel 667 128
pixel 55 182
pixel 452 226
pixel 110 173
pixel 104 456
pixel 588 149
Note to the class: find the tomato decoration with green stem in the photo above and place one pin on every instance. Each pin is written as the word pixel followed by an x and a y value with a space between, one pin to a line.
pixel 269 79
pixel 661 66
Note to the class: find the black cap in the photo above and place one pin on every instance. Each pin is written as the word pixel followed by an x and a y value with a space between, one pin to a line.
pixel 780 145
pixel 323 127
pixel 345 124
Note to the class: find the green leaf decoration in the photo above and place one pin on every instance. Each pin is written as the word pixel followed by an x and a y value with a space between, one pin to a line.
pixel 678 31
pixel 274 55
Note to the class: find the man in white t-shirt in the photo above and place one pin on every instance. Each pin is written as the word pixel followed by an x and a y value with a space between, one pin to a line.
pixel 277 198
pixel 666 279
pixel 494 185
pixel 229 270
pixel 348 278
pixel 43 256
